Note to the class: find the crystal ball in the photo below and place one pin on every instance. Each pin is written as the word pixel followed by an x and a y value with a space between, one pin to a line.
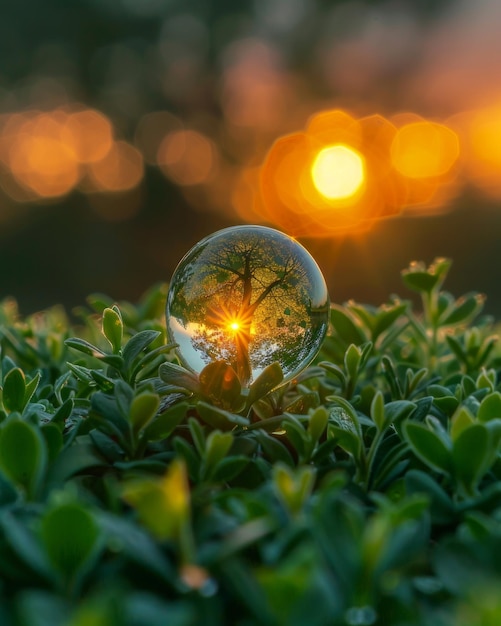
pixel 249 296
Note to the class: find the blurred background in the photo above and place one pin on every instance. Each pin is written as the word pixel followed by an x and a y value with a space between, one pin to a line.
pixel 130 129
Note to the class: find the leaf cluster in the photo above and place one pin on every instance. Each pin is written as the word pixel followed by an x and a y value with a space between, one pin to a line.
pixel 365 491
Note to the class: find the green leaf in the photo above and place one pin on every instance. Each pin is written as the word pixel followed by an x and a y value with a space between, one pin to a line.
pixel 428 447
pixel 470 454
pixel 274 449
pixel 377 411
pixel 219 418
pixel 179 376
pixel 113 328
pixel 419 278
pixel 461 420
pixel 296 435
pixel 187 452
pixel 421 281
pixel 163 504
pixel 445 302
pixel 365 352
pixel 134 542
pixel 293 485
pixel 143 409
pixel 105 406
pixel 441 506
pixel 317 423
pixel 70 534
pixel 364 313
pixel 346 439
pixel 81 373
pixel 436 426
pixel 115 360
pixel 106 446
pixel 219 383
pixel 457 348
pixel 84 346
pixel 347 418
pixel 53 436
pixel 485 351
pixel 197 432
pixel 494 428
pixel 490 407
pixel 469 386
pixel 391 375
pixel 480 525
pixel 269 378
pixel 137 344
pixel 63 412
pixel 165 423
pixel 352 361
pixel 486 380
pixel 386 316
pixel 77 458
pixel 413 379
pixel 8 492
pixel 149 360
pixel 31 387
pixel 105 383
pixel 303 402
pixel 14 390
pixel 336 371
pixel 124 395
pixel 229 468
pixel 443 398
pixel 398 410
pixel 345 327
pixel 217 446
pixel 39 608
pixel 464 309
pixel 23 454
pixel 391 460
pixel 25 544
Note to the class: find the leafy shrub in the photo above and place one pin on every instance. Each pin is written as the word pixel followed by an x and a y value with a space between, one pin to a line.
pixel 366 491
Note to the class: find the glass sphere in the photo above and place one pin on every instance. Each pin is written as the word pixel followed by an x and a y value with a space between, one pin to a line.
pixel 249 296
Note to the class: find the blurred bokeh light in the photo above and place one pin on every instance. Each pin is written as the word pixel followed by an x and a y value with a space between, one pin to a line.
pixel 128 130
pixel 187 157
pixel 424 150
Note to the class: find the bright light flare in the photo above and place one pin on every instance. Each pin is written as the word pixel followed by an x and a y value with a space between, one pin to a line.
pixel 231 322
pixel 338 172
pixel 335 176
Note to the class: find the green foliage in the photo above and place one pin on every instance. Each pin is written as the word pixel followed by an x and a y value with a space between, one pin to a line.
pixel 69 535
pixel 135 491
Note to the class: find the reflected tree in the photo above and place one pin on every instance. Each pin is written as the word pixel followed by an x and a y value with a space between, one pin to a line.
pixel 247 301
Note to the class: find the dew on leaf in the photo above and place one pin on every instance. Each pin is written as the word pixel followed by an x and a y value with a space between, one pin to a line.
pixel 249 296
